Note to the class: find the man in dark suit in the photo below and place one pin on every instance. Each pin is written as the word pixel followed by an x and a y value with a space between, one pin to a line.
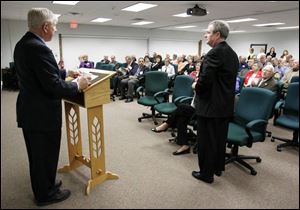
pixel 214 101
pixel 39 109
pixel 267 81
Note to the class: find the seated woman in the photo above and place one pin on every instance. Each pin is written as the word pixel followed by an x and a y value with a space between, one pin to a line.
pixel 179 119
pixel 85 63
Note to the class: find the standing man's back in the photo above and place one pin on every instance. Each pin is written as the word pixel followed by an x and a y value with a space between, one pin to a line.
pixel 214 101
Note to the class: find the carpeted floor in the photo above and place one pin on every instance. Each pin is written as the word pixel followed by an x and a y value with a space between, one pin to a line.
pixel 150 176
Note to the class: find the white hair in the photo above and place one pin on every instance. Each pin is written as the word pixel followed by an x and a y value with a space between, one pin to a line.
pixel 269 67
pixel 36 17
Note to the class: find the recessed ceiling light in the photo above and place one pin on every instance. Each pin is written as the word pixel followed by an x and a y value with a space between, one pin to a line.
pixel 182 15
pixel 101 20
pixel 65 2
pixel 269 24
pixel 240 20
pixel 139 7
pixel 289 27
pixel 186 27
pixel 142 23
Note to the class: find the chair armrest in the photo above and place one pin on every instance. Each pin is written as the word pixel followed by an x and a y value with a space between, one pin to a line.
pixel 251 125
pixel 186 100
pixel 138 90
pixel 178 100
pixel 279 105
pixel 277 110
pixel 165 94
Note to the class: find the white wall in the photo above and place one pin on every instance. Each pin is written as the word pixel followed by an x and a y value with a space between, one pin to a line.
pixel 98 41
pixel 280 40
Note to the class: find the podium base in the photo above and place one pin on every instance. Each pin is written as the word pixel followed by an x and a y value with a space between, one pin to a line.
pixel 98 180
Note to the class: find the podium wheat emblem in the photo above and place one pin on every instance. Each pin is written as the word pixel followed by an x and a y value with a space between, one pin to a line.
pixel 73 127
pixel 96 138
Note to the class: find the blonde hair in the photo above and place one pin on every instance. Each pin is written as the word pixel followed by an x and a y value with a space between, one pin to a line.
pixel 36 17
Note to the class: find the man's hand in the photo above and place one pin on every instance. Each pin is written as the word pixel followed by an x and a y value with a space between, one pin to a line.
pixel 74 73
pixel 83 82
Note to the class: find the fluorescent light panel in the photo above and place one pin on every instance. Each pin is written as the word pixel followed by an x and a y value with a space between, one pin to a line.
pixel 241 20
pixel 139 7
pixel 101 20
pixel 232 32
pixel 289 27
pixel 65 2
pixel 186 27
pixel 182 15
pixel 269 24
pixel 142 23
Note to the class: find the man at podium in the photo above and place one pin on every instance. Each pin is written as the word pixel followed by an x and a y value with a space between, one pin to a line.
pixel 39 109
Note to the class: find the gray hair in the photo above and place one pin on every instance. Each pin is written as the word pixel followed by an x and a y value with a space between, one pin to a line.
pixel 36 17
pixel 220 26
pixel 269 67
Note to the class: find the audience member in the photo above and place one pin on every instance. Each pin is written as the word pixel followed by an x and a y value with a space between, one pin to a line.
pixel 253 75
pixel 251 54
pixel 133 80
pixel 242 63
pixel 113 60
pixel 272 52
pixel 267 80
pixel 284 54
pixel 147 62
pixel 261 52
pixel 86 63
pixel 294 71
pixel 157 64
pixel 195 73
pixel 105 60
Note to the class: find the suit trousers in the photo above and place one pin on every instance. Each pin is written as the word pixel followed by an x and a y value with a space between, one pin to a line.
pixel 179 119
pixel 43 152
pixel 211 138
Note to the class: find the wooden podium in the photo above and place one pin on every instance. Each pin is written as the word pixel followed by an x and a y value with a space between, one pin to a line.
pixel 92 98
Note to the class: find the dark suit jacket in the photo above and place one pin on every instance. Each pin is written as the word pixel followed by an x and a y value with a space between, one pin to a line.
pixel 41 86
pixel 215 87
pixel 270 84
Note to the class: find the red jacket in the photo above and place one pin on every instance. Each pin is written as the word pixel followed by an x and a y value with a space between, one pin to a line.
pixel 250 73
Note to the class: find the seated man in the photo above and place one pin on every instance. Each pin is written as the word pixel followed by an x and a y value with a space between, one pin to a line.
pixel 267 81
pixel 105 60
pixel 294 71
pixel 132 80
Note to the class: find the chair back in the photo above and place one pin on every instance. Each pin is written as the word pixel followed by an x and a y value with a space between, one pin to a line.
pixel 183 86
pixel 155 81
pixel 294 79
pixel 291 105
pixel 254 103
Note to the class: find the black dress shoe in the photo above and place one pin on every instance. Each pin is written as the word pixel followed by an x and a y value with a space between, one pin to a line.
pixel 157 131
pixel 59 196
pixel 58 183
pixel 129 100
pixel 203 178
pixel 186 151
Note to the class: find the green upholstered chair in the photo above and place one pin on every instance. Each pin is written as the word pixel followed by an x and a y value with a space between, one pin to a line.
pixel 287 116
pixel 182 89
pixel 156 82
pixel 249 124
